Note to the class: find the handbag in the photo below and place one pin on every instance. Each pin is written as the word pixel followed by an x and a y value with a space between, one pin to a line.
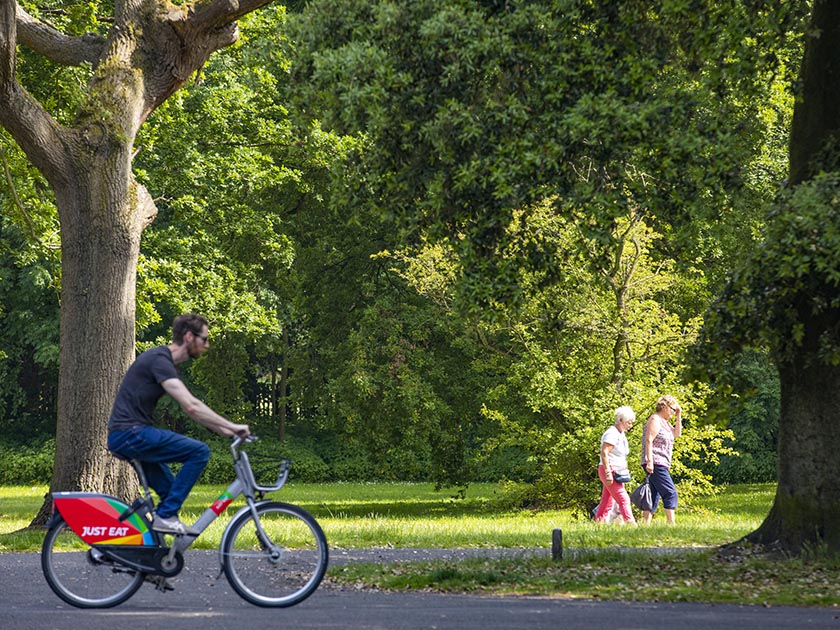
pixel 621 476
pixel 642 496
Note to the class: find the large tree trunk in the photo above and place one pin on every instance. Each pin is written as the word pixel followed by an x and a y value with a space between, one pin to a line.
pixel 102 217
pixel 151 50
pixel 806 510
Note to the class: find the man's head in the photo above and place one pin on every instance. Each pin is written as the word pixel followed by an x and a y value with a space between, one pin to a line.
pixel 191 330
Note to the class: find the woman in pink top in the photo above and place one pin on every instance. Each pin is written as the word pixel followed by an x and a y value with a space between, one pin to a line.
pixel 657 448
pixel 614 450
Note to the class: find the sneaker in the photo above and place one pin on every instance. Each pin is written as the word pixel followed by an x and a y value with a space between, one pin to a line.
pixel 172 525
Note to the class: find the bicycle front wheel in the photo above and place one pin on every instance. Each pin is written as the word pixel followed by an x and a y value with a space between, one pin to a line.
pixel 278 561
pixel 80 575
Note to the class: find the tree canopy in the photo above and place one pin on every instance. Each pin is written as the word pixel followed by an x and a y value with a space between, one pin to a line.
pixel 459 235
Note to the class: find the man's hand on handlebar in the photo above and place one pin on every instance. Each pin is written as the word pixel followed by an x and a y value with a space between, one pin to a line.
pixel 241 431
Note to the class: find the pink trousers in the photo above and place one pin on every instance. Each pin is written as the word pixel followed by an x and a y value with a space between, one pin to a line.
pixel 613 493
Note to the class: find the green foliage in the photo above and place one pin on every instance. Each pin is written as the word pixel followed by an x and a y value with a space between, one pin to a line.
pixel 29 283
pixel 223 374
pixel 265 456
pixel 762 305
pixel 500 107
pixel 481 227
pixel 351 462
pixel 27 464
pixel 600 333
pixel 227 180
pixel 553 180
pixel 570 477
pixel 399 388
pixel 752 413
pixel 510 463
pixel 696 448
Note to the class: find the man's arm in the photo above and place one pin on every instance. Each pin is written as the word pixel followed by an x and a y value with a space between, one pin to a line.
pixel 200 412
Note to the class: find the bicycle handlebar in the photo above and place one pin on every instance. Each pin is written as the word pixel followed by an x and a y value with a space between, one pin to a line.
pixel 238 439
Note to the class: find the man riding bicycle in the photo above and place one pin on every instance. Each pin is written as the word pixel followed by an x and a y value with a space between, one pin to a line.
pixel 132 436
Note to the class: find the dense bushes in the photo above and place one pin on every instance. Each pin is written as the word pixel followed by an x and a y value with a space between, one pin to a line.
pixel 315 461
pixel 754 420
pixel 311 462
pixel 265 456
pixel 25 465
pixel 567 469
pixel 33 464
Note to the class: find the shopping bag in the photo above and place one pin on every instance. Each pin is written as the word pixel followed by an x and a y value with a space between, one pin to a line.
pixel 642 496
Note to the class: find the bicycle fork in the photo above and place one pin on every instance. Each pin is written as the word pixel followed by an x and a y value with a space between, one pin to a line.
pixel 274 551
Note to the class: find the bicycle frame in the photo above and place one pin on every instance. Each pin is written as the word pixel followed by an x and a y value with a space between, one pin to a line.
pixel 245 484
pixel 123 533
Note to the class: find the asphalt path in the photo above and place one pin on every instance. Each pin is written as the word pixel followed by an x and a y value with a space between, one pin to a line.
pixel 202 599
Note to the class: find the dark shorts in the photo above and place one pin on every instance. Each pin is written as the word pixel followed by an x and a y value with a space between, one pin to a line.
pixel 663 486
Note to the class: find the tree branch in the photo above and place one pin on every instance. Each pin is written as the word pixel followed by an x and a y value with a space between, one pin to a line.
pixel 55 45
pixel 214 19
pixel 200 28
pixel 147 209
pixel 37 133
pixel 219 13
pixel 8 42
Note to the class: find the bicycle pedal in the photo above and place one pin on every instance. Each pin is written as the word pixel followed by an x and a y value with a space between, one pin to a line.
pixel 161 583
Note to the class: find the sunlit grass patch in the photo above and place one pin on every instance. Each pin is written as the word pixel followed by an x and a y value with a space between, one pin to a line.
pixel 415 515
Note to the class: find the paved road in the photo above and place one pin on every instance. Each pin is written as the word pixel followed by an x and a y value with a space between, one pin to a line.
pixel 203 600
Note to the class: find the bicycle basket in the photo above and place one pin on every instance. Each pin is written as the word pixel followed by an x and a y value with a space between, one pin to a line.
pixel 269 471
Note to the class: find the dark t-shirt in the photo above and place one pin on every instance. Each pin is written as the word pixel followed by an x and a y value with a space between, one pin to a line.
pixel 141 389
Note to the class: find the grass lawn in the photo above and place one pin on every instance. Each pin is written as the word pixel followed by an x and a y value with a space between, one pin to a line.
pixel 415 515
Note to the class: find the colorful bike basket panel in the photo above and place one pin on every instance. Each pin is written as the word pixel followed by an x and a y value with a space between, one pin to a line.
pixel 95 519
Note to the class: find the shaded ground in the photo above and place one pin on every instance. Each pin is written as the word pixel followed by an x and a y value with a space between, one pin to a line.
pixel 202 598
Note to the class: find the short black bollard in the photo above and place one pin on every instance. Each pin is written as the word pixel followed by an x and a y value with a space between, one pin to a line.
pixel 557 544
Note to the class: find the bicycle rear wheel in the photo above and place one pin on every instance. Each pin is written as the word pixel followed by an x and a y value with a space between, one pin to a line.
pixel 80 575
pixel 281 570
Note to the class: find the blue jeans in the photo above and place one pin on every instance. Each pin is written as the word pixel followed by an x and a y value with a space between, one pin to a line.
pixel 155 448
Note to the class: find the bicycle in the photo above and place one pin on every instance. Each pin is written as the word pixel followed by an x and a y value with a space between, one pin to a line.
pixel 99 551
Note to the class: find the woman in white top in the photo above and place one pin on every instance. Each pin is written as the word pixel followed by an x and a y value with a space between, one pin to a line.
pixel 613 463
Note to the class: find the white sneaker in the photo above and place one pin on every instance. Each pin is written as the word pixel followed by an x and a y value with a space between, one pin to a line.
pixel 172 525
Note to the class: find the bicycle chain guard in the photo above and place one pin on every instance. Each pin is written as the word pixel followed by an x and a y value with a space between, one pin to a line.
pixel 99 519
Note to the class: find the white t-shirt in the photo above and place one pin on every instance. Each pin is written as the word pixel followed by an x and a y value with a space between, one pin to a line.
pixel 620 448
